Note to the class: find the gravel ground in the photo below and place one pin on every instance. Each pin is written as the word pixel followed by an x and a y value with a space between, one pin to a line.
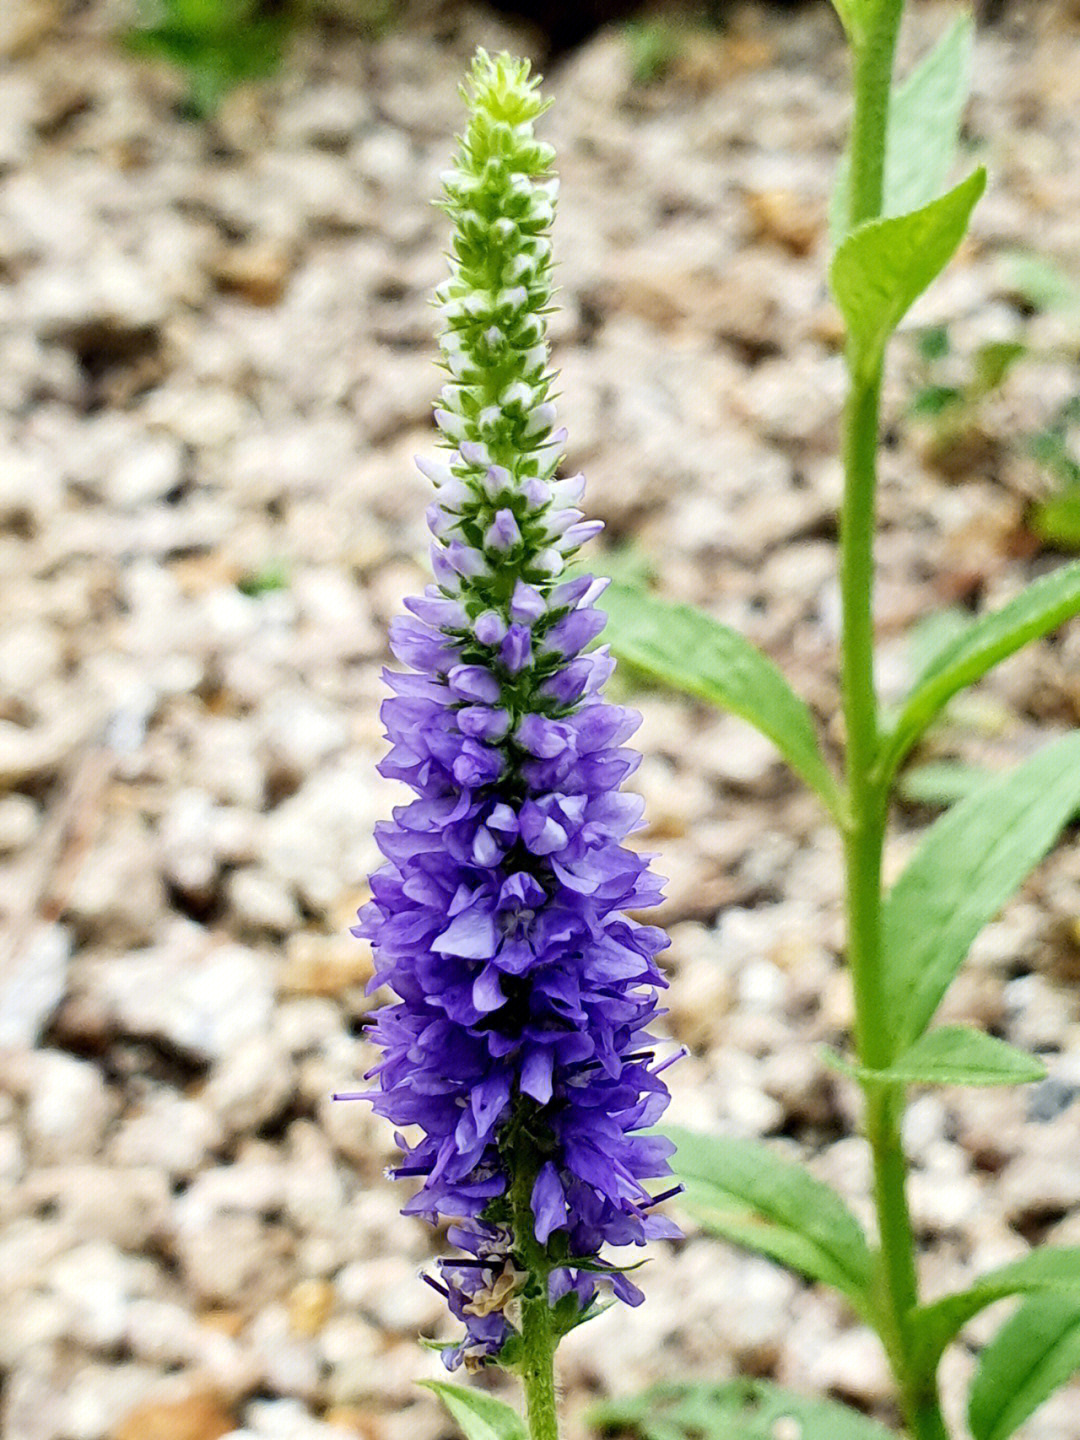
pixel 215 367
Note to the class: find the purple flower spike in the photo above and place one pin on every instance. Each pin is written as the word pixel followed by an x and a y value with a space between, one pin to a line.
pixel 518 1046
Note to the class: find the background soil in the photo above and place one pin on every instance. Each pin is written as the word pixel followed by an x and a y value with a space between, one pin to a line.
pixel 215 367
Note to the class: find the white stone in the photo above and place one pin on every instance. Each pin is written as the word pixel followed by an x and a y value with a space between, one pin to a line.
pixel 12 1156
pixel 30 488
pixel 286 1419
pixel 19 821
pixel 33 1320
pixel 289 1362
pixel 320 840
pixel 300 732
pixel 146 473
pixel 69 1107
pixel 327 117
pixel 126 1207
pixel 761 986
pixel 232 1259
pixel 168 1132
pixel 204 1001
pixel 260 902
pixel 251 1084
pixel 30 655
pixel 32 985
pixel 99 1283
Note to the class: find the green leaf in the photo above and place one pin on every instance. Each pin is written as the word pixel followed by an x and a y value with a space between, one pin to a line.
pixel 1028 1359
pixel 1058 520
pixel 731 1410
pixel 693 653
pixel 742 1191
pixel 933 1326
pixel 1040 282
pixel 882 267
pixel 992 363
pixel 934 401
pixel 924 129
pixel 969 864
pixel 1047 603
pixel 940 783
pixel 924 121
pixel 480 1416
pixel 932 635
pixel 954 1055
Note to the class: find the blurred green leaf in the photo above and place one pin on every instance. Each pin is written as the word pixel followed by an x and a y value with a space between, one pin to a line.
pixel 654 45
pixel 849 12
pixel 933 343
pixel 924 129
pixel 1031 1356
pixel 940 782
pixel 933 635
pixel 953 1055
pixel 731 1410
pixel 992 363
pixel 1045 605
pixel 1039 282
pixel 746 1193
pixel 933 401
pixel 217 43
pixel 480 1416
pixel 274 576
pixel 971 861
pixel 1057 521
pixel 691 652
pixel 1048 1269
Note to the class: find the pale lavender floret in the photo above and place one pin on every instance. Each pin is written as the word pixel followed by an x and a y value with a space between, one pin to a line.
pixel 503 534
pixel 515 652
pixel 490 628
pixel 527 605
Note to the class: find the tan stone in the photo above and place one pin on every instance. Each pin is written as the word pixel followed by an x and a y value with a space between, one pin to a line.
pixel 310 1304
pixel 257 272
pixel 199 1416
pixel 324 964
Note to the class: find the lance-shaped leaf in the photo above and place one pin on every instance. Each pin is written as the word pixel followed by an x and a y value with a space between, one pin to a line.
pixel 693 653
pixel 1033 1354
pixel 480 1416
pixel 883 266
pixel 953 1055
pixel 969 864
pixel 1047 603
pixel 742 1191
pixel 924 129
pixel 933 1326
pixel 732 1410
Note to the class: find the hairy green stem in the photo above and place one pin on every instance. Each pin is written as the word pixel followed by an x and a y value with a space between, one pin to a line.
pixel 538 1338
pixel 867 799
pixel 538 1368
pixel 873 61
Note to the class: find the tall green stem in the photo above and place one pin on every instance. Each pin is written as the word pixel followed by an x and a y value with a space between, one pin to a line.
pixel 538 1338
pixel 866 798
pixel 873 58
pixel 538 1368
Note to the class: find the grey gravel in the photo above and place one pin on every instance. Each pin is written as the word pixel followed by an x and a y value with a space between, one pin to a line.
pixel 215 368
